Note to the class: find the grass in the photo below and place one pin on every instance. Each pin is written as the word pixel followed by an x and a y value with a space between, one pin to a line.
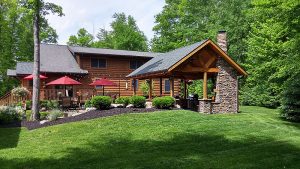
pixel 254 138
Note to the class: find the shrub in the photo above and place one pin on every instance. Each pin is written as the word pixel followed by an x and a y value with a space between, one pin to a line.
pixel 165 102
pixel 138 101
pixel 101 102
pixel 123 100
pixel 10 114
pixel 54 114
pixel 52 104
pixel 20 92
pixel 43 103
pixel 88 104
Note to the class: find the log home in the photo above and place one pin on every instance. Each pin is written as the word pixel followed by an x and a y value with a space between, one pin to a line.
pixel 86 65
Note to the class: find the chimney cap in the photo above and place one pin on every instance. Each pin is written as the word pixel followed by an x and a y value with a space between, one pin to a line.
pixel 222 31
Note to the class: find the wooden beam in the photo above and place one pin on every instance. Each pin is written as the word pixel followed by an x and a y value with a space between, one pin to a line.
pixel 160 86
pixel 205 85
pixel 210 61
pixel 192 69
pixel 150 89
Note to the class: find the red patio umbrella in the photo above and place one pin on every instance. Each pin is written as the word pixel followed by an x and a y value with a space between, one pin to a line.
pixel 30 77
pixel 103 82
pixel 64 81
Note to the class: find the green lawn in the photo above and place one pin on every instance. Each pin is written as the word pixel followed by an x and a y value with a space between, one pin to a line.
pixel 254 138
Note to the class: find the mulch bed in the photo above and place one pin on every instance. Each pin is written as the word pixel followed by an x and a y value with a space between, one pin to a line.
pixel 85 116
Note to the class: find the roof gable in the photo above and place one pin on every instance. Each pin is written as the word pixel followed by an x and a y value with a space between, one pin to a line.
pixel 168 61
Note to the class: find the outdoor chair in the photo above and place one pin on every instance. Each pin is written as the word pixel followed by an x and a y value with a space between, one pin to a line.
pixel 65 102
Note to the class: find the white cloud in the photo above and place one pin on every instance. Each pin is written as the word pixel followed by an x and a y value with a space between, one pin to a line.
pixel 98 14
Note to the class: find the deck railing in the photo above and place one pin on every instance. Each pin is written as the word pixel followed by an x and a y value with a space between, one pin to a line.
pixel 8 99
pixel 54 94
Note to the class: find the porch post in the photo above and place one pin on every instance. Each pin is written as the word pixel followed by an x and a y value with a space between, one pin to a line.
pixel 172 87
pixel 160 86
pixel 185 89
pixel 134 88
pixel 150 89
pixel 205 85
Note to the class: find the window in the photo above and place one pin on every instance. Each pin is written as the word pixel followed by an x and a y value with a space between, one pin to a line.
pixel 167 85
pixel 98 63
pixel 135 84
pixel 134 64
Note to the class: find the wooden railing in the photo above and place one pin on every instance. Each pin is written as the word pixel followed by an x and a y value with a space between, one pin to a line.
pixel 8 99
pixel 52 94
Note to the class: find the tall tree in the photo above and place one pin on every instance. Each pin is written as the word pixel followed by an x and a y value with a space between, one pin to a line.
pixel 36 63
pixel 125 35
pixel 38 8
pixel 83 38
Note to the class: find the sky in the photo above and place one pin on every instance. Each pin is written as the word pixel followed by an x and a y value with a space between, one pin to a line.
pixel 95 14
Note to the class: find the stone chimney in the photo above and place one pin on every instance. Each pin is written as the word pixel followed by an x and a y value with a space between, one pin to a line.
pixel 222 40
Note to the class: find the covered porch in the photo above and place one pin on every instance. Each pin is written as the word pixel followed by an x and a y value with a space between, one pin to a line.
pixel 200 61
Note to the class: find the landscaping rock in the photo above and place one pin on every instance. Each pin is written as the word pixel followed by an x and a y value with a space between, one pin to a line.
pixel 43 121
pixel 149 105
pixel 90 109
pixel 116 105
pixel 129 106
pixel 178 106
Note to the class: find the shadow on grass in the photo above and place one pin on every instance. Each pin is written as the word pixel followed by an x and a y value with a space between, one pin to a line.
pixel 181 151
pixel 9 137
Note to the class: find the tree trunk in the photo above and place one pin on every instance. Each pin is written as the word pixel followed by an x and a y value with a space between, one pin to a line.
pixel 36 64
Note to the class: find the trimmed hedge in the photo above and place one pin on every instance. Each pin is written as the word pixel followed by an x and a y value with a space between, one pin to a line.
pixel 138 101
pixel 123 100
pixel 165 102
pixel 101 102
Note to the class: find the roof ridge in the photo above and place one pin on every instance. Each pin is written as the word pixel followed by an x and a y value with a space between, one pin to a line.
pixel 52 44
pixel 112 49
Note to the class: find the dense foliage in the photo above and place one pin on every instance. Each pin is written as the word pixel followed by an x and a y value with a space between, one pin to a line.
pixel 138 101
pixel 101 102
pixel 124 35
pixel 83 38
pixel 165 102
pixel 16 34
